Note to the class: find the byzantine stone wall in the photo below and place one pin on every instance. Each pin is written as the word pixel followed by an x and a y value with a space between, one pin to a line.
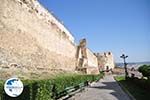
pixel 84 56
pixel 105 60
pixel 32 38
pixel 86 61
pixel 92 59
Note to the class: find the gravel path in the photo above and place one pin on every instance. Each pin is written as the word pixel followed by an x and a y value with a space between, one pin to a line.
pixel 105 89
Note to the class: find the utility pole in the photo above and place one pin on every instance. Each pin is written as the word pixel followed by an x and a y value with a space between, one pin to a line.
pixel 123 56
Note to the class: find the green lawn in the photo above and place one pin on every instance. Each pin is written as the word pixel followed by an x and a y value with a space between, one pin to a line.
pixel 137 92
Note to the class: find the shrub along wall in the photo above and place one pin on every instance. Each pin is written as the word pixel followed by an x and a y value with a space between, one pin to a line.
pixel 145 70
pixel 1 88
pixel 42 89
pixel 143 83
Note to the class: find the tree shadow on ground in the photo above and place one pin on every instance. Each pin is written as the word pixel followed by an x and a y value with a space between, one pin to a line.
pixel 139 88
pixel 113 89
pixel 137 91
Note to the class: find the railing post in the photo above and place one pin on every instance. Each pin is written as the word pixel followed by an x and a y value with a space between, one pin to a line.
pixel 86 83
pixel 54 92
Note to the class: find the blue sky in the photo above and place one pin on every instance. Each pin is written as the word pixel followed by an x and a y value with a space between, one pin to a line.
pixel 119 26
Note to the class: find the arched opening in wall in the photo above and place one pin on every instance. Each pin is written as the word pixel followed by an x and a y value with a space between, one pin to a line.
pixel 107 68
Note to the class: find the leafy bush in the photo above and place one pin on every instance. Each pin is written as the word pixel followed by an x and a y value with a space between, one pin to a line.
pixel 43 89
pixel 1 88
pixel 145 70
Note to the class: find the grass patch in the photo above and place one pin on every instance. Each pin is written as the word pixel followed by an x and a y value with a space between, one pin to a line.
pixel 136 91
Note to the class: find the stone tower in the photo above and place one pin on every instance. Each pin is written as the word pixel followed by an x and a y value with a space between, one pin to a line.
pixel 86 61
pixel 105 60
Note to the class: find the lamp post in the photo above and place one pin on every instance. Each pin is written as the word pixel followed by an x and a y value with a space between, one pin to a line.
pixel 123 56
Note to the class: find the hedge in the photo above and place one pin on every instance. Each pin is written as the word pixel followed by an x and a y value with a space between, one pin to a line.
pixel 143 83
pixel 145 70
pixel 42 89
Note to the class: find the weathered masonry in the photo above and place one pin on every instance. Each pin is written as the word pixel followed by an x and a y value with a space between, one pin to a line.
pixel 33 40
pixel 105 60
pixel 86 61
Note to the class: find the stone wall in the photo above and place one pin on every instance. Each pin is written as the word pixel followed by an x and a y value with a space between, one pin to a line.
pixel 86 61
pixel 92 63
pixel 92 59
pixel 105 60
pixel 84 56
pixel 32 38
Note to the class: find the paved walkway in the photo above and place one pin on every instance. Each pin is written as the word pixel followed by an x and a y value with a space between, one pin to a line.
pixel 105 89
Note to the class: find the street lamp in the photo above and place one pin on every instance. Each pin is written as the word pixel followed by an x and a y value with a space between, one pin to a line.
pixel 123 56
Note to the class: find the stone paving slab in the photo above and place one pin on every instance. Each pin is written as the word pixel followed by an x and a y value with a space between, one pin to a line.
pixel 106 89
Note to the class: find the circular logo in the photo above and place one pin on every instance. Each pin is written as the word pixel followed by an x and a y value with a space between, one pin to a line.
pixel 13 87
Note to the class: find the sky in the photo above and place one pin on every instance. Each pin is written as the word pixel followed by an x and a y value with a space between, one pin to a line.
pixel 119 26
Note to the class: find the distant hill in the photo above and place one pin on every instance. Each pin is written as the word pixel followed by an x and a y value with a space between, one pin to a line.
pixel 133 64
